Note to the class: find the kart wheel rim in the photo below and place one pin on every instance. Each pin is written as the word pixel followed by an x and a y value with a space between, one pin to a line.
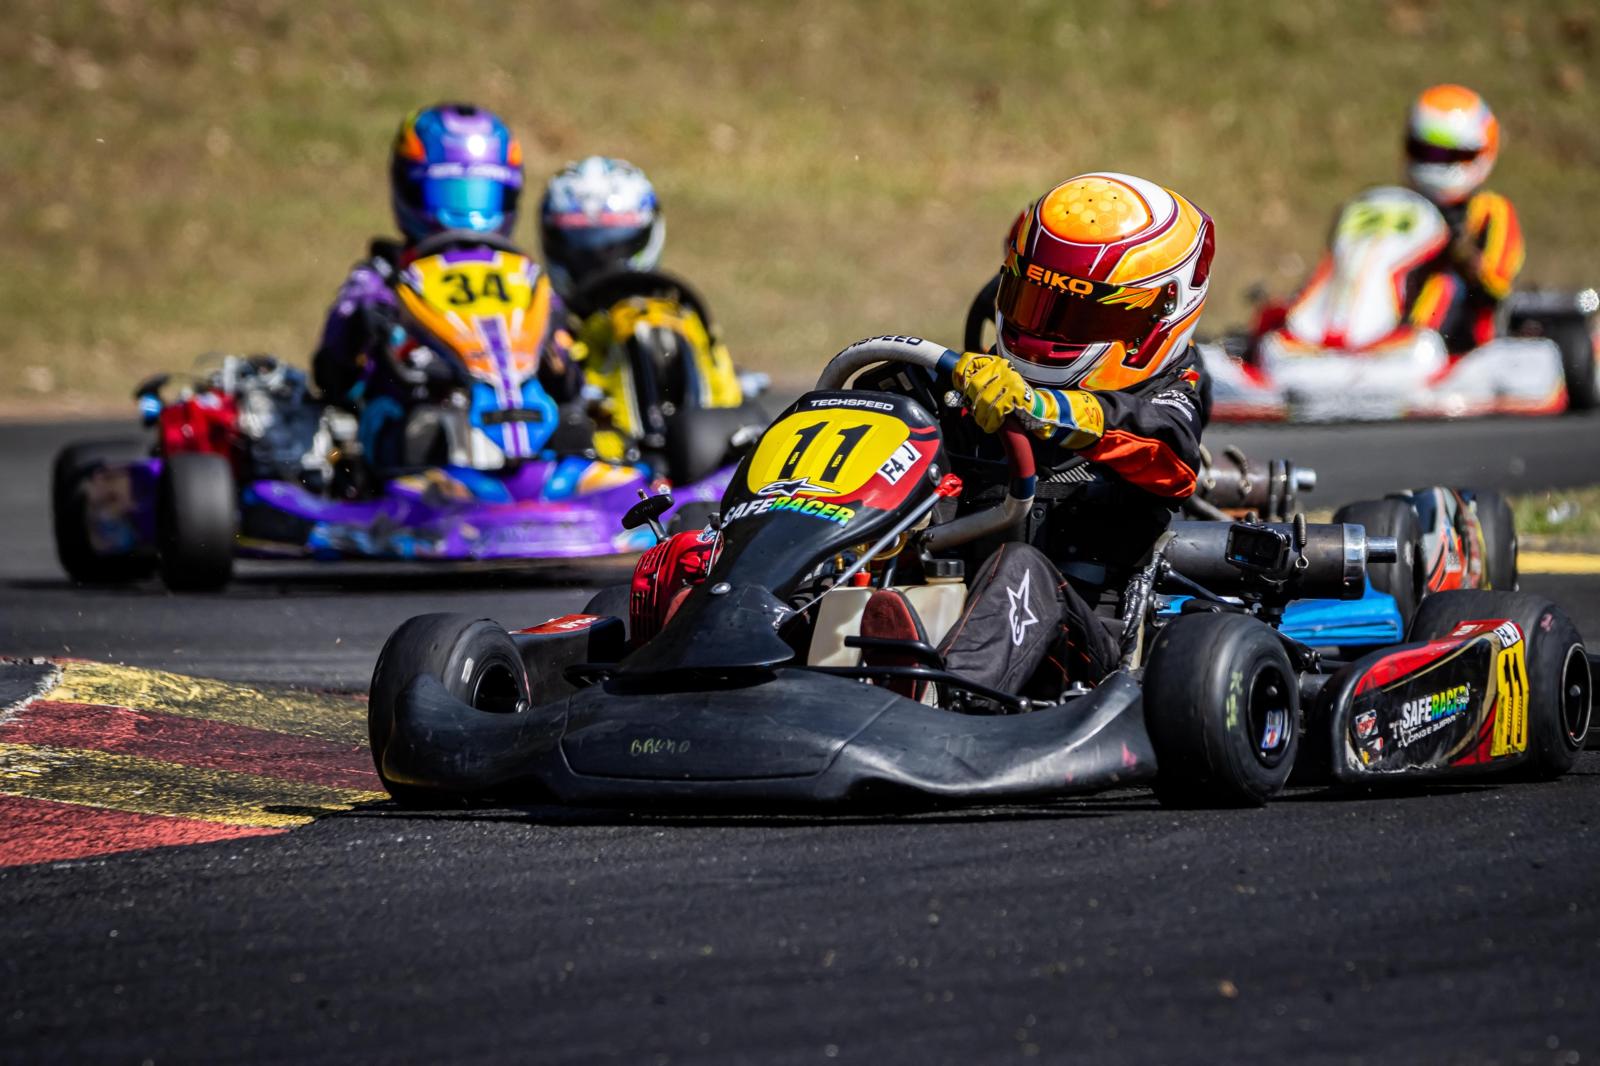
pixel 1269 716
pixel 496 690
pixel 1577 704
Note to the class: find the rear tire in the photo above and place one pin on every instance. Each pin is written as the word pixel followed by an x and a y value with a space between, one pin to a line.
pixel 73 466
pixel 612 601
pixel 1404 579
pixel 1222 706
pixel 1560 689
pixel 197 521
pixel 1571 335
pixel 474 658
pixel 1499 539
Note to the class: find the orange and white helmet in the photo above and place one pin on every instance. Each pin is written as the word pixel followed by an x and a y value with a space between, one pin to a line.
pixel 1452 140
pixel 1103 282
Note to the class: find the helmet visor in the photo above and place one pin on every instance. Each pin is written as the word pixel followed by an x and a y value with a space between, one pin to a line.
pixel 586 248
pixel 1074 311
pixel 1420 151
pixel 469 195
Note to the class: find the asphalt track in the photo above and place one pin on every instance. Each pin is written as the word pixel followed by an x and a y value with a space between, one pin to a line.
pixel 1454 925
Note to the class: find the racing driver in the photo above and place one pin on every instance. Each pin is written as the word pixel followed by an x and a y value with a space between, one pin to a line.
pixel 1452 139
pixel 452 167
pixel 1103 281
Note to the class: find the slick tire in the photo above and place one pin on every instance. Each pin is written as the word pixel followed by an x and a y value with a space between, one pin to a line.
pixel 474 658
pixel 69 514
pixel 1499 539
pixel 1571 335
pixel 197 522
pixel 1560 689
pixel 1222 706
pixel 1402 579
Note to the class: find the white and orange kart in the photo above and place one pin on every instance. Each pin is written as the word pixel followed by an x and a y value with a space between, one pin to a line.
pixel 1346 352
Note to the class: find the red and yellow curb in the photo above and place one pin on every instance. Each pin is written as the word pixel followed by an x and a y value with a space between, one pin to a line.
pixel 111 758
pixel 1533 562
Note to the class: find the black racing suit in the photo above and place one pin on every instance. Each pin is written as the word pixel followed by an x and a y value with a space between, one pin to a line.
pixel 1097 512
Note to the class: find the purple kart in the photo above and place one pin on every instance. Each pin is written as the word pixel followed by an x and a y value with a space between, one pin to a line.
pixel 489 466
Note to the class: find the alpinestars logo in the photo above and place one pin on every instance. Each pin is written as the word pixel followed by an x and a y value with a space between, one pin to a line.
pixel 1021 612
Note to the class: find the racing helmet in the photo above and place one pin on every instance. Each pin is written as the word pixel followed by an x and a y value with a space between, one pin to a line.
pixel 454 166
pixel 1452 139
pixel 599 214
pixel 1103 282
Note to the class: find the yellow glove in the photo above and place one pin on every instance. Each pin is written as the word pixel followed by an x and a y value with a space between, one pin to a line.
pixel 993 389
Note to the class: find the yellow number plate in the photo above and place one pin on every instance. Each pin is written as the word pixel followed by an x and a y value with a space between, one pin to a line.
pixel 832 452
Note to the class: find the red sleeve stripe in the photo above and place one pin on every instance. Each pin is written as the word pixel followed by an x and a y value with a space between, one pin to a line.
pixel 1144 462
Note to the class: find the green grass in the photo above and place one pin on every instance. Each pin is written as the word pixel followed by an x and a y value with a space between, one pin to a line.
pixel 1564 517
pixel 182 177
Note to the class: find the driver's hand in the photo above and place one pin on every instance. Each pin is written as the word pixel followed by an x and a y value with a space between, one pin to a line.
pixel 993 389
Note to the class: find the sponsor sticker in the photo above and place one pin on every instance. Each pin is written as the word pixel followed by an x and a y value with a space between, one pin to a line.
pixel 812 508
pixel 1366 724
pixel 1424 715
pixel 567 623
pixel 851 401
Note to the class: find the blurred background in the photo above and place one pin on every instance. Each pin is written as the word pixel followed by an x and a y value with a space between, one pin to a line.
pixel 186 177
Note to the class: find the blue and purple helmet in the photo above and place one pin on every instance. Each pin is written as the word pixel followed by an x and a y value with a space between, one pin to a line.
pixel 455 166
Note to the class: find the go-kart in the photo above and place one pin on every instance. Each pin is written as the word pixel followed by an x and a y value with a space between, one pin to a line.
pixel 734 670
pixel 665 379
pixel 1343 350
pixel 491 467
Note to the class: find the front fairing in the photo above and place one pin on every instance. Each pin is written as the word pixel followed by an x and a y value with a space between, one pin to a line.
pixel 1358 295
pixel 490 312
pixel 833 473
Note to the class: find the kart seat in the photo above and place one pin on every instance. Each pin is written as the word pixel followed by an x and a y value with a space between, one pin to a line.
pixel 889 615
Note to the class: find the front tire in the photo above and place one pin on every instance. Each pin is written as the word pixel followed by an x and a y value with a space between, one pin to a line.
pixel 197 521
pixel 1560 689
pixel 473 658
pixel 1402 579
pixel 1222 706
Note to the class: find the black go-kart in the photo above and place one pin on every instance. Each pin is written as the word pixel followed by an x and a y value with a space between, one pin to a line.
pixel 732 673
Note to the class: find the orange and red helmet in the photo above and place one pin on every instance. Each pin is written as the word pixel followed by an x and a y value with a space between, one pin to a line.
pixel 1103 282
pixel 1452 139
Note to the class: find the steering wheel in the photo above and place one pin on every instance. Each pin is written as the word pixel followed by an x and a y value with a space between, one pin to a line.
pixel 941 362
pixel 603 290
pixel 458 238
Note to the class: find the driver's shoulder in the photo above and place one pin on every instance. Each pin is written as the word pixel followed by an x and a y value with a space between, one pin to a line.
pixel 1489 205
